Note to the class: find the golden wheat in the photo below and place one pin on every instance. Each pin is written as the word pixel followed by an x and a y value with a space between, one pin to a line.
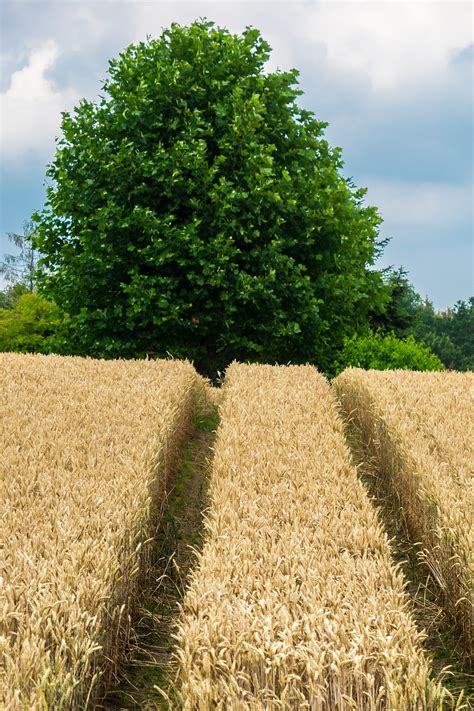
pixel 295 603
pixel 419 430
pixel 86 448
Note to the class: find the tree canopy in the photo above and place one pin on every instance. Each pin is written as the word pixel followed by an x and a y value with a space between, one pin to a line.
pixel 11 294
pixel 197 210
pixel 449 334
pixel 399 313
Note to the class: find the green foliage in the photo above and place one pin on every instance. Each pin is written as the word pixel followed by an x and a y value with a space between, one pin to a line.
pixel 449 334
pixel 399 312
pixel 9 297
pixel 459 328
pixel 29 326
pixel 386 352
pixel 197 210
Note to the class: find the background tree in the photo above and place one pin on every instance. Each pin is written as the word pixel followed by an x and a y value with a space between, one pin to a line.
pixel 449 334
pixel 399 313
pixel 10 295
pixel 460 328
pixel 197 210
pixel 21 268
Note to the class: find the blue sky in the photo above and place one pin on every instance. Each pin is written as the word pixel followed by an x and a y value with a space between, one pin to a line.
pixel 393 79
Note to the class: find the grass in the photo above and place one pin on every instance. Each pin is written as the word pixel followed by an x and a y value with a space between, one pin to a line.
pixel 147 680
pixel 207 422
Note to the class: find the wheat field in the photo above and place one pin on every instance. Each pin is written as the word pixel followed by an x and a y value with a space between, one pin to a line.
pixel 295 602
pixel 87 446
pixel 418 429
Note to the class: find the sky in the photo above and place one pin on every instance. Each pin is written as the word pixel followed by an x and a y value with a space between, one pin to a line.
pixel 394 80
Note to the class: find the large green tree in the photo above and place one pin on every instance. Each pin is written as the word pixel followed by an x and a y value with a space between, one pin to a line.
pixel 196 209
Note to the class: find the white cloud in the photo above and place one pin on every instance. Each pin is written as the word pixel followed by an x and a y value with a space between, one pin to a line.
pixel 396 48
pixel 30 109
pixel 436 205
pixel 396 45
